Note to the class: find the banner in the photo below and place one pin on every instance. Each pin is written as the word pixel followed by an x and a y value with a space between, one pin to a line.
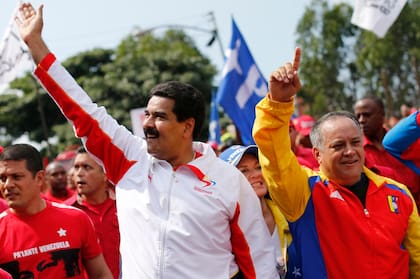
pixel 242 86
pixel 376 15
pixel 14 56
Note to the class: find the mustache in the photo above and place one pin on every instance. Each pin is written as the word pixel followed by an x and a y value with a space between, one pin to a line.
pixel 151 132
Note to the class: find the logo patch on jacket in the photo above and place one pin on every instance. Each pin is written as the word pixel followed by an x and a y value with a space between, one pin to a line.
pixel 336 195
pixel 207 185
pixel 393 204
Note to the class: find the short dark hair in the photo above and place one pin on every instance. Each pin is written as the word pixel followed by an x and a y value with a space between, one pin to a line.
pixel 23 152
pixel 189 102
pixel 81 150
pixel 376 100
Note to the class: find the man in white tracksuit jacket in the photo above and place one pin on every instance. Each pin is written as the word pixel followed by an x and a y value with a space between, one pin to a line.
pixel 183 213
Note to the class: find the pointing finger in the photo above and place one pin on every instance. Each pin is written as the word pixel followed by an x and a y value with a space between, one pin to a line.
pixel 296 59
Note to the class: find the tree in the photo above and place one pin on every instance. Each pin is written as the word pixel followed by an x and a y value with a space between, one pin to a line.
pixel 141 62
pixel 323 34
pixel 341 62
pixel 389 67
pixel 118 79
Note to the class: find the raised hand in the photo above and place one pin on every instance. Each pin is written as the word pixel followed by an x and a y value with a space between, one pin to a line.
pixel 284 82
pixel 30 24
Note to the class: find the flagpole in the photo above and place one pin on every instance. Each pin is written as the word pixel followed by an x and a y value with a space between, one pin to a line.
pixel 216 34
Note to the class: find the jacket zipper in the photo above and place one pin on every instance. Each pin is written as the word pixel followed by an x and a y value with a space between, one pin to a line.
pixel 164 228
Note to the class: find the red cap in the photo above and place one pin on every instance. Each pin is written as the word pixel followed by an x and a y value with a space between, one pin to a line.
pixel 303 124
pixel 1 149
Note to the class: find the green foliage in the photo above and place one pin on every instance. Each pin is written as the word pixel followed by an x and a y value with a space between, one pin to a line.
pixel 386 65
pixel 341 62
pixel 322 34
pixel 20 110
pixel 119 79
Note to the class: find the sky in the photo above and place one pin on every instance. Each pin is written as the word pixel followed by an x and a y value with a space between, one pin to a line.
pixel 268 26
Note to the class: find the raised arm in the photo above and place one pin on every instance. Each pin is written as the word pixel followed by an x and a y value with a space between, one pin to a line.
pixel 30 24
pixel 403 141
pixel 286 179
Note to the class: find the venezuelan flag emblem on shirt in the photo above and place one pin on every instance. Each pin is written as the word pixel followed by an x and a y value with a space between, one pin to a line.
pixel 393 204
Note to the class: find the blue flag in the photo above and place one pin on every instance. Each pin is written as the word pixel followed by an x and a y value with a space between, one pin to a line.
pixel 242 86
pixel 214 124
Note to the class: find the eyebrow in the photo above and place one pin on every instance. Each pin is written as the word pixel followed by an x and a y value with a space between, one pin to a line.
pixel 156 113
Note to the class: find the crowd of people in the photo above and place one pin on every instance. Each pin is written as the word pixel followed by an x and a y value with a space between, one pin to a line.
pixel 334 197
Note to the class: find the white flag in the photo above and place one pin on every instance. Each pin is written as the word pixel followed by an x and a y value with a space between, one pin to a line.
pixel 376 15
pixel 14 56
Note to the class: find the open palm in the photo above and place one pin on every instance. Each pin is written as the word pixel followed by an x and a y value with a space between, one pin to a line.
pixel 30 21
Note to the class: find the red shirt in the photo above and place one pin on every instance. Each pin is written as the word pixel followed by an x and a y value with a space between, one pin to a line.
pixel 383 163
pixel 306 158
pixel 5 275
pixel 50 244
pixel 3 205
pixel 48 196
pixel 104 218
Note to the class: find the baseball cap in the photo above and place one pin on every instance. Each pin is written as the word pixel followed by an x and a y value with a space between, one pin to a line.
pixel 303 124
pixel 66 158
pixel 234 153
pixel 1 149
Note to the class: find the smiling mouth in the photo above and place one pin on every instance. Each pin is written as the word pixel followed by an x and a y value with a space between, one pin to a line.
pixel 257 183
pixel 350 162
pixel 10 196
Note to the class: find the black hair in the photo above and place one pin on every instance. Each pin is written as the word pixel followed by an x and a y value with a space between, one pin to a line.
pixel 23 152
pixel 189 102
pixel 376 100
pixel 81 150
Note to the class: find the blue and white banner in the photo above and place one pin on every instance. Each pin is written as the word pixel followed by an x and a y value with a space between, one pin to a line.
pixel 376 15
pixel 242 86
pixel 214 124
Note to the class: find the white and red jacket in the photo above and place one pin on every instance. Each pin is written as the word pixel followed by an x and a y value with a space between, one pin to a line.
pixel 201 220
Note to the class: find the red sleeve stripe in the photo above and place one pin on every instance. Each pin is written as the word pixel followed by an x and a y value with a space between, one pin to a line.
pixel 98 143
pixel 46 62
pixel 240 247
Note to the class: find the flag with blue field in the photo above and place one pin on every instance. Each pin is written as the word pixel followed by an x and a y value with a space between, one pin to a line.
pixel 242 86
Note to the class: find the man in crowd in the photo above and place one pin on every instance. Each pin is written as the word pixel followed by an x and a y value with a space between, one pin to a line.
pixel 370 112
pixel 346 221
pixel 40 239
pixel 56 179
pixel 95 197
pixel 183 213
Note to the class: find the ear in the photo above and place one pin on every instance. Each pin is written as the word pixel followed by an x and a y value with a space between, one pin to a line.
pixel 317 154
pixel 189 127
pixel 40 179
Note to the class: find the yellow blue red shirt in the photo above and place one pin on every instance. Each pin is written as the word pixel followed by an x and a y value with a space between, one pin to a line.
pixel 334 235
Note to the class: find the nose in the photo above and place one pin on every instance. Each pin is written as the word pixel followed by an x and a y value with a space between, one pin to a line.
pixel 361 118
pixel 148 122
pixel 7 183
pixel 78 172
pixel 253 173
pixel 349 150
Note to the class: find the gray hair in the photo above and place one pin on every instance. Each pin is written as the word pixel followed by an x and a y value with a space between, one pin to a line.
pixel 316 136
